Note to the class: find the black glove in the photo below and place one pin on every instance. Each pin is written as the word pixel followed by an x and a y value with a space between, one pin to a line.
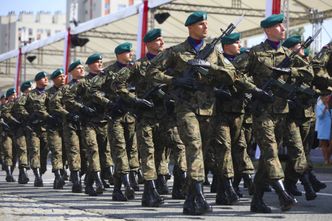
pixel 199 62
pixel 262 95
pixel 142 103
pixel 73 117
pixel 223 94
pixel 282 71
pixel 51 121
pixel 88 111
pixel 183 82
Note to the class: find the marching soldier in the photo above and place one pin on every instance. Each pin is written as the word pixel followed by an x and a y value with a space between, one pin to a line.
pixel 9 147
pixel 270 116
pixel 54 129
pixel 191 103
pixel 36 116
pixel 303 114
pixel 21 135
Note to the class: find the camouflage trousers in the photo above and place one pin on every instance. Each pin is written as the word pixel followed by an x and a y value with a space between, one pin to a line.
pixel 9 150
pixel 94 135
pixel 22 148
pixel 54 138
pixel 38 148
pixel 76 151
pixel 299 157
pixel 189 128
pixel 124 149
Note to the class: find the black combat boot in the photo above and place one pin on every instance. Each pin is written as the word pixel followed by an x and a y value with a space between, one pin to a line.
pixel 107 174
pixel 161 184
pixel 151 197
pixel 133 180
pixel 257 204
pixel 76 181
pixel 129 192
pixel 38 178
pixel 215 180
pixel 195 203
pixel 99 183
pixel 23 176
pixel 140 177
pixel 310 193
pixel 178 191
pixel 58 180
pixel 286 201
pixel 9 174
pixel 291 187
pixel 316 184
pixel 221 198
pixel 236 183
pixel 247 179
pixel 117 194
pixel 89 180
pixel 64 174
pixel 231 195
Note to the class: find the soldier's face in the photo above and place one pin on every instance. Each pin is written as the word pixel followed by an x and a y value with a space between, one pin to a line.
pixel 125 57
pixel 78 72
pixel 296 47
pixel 12 97
pixel 42 82
pixel 276 32
pixel 156 45
pixel 233 49
pixel 96 66
pixel 3 100
pixel 199 30
pixel 59 80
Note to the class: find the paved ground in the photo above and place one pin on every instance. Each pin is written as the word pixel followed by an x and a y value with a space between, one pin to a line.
pixel 24 202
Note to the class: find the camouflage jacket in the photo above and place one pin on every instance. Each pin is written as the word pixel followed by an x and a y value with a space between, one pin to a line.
pixel 262 58
pixel 172 63
pixel 18 110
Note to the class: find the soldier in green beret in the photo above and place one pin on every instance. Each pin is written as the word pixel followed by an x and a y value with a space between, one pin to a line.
pixel 270 117
pixel 9 150
pixel 55 131
pixel 73 141
pixel 304 117
pixel 22 133
pixel 124 58
pixel 193 107
pixel 94 124
pixel 34 112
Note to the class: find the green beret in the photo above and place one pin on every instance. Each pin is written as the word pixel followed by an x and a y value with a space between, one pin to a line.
pixel 73 65
pixel 56 73
pixel 230 39
pixel 152 35
pixel 124 47
pixel 40 75
pixel 10 91
pixel 93 58
pixel 292 41
pixel 272 20
pixel 195 17
pixel 25 85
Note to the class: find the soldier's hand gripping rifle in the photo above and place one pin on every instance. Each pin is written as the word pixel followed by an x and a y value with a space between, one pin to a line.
pixel 199 63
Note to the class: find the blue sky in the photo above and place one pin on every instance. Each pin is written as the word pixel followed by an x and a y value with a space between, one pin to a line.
pixel 32 5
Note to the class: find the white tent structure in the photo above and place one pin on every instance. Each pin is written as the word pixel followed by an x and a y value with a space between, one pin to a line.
pixel 106 32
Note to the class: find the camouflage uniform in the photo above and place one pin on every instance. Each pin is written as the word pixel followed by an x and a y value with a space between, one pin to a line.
pixel 36 114
pixel 21 135
pixel 122 131
pixel 55 132
pixel 270 118
pixel 189 105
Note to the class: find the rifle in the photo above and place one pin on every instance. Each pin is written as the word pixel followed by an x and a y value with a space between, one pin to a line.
pixel 4 125
pixel 205 53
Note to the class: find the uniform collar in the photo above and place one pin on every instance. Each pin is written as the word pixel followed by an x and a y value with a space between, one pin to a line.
pixel 120 65
pixel 150 56
pixel 229 57
pixel 195 44
pixel 274 44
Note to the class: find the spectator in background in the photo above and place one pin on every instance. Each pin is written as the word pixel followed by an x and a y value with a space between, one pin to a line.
pixel 323 126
